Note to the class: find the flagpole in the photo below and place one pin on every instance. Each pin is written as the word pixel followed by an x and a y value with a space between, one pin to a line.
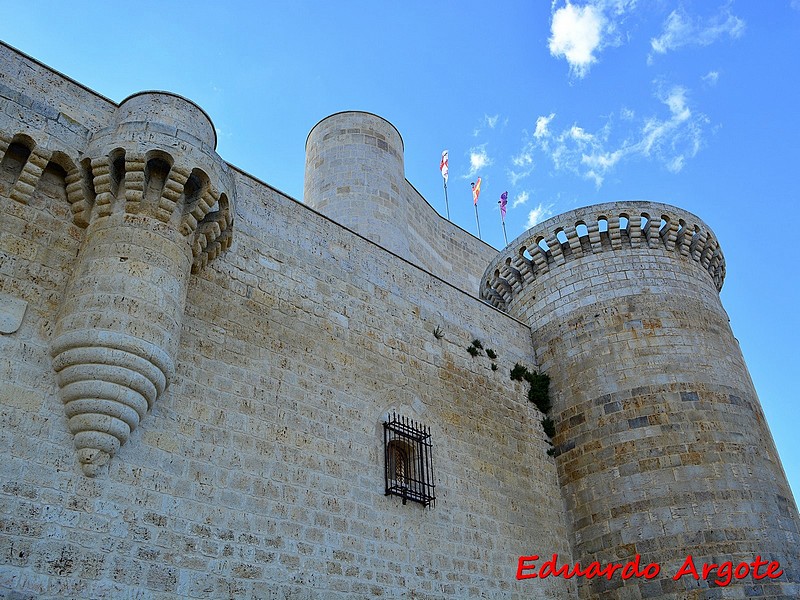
pixel 503 202
pixel 444 167
pixel 476 191
pixel 446 204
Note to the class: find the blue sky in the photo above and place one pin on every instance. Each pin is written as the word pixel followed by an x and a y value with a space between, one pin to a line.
pixel 692 103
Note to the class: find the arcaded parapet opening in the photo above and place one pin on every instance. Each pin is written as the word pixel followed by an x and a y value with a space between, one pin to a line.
pixel 600 228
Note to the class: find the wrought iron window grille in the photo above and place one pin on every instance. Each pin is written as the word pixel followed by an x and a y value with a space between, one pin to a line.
pixel 409 460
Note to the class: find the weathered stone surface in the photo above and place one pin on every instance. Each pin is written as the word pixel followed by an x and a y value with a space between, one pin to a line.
pixel 662 448
pixel 227 392
pixel 12 310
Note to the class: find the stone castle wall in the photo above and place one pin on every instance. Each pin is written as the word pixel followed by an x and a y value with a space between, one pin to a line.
pixel 662 447
pixel 258 472
pixel 355 175
pixel 196 370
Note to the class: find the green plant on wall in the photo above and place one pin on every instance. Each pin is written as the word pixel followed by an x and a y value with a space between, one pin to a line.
pixel 539 395
pixel 476 347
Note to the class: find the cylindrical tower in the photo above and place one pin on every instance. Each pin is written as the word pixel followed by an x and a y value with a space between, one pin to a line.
pixel 355 175
pixel 661 444
pixel 157 203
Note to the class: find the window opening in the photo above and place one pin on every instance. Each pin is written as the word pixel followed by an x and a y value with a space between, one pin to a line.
pixel 408 460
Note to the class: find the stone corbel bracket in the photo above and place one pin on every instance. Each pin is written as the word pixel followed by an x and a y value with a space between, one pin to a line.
pixel 158 204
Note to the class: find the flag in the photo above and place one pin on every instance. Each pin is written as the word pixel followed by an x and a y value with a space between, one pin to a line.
pixel 443 166
pixel 502 202
pixel 476 191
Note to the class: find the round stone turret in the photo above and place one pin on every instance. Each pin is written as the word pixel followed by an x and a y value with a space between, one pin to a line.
pixel 355 175
pixel 157 204
pixel 661 445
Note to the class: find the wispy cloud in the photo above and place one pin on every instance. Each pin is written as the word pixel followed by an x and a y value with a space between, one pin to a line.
pixel 541 126
pixel 478 159
pixel 538 214
pixel 680 30
pixel 521 198
pixel 670 139
pixel 489 121
pixel 712 77
pixel 522 165
pixel 579 33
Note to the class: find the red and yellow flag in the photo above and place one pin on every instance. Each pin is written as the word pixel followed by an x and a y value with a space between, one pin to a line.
pixel 476 191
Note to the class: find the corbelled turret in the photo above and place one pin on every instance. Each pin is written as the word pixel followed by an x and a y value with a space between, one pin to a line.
pixel 157 203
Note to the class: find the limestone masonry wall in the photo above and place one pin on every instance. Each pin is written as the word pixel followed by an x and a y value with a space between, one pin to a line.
pixel 259 471
pixel 662 447
pixel 355 175
pixel 195 373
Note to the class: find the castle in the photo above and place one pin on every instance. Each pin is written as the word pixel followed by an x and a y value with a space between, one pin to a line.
pixel 211 390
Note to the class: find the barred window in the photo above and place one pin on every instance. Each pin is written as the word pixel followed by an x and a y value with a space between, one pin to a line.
pixel 408 460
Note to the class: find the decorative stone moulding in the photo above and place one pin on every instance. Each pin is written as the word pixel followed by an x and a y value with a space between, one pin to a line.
pixel 12 310
pixel 157 204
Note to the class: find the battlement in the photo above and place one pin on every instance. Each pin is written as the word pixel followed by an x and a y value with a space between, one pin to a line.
pixel 601 228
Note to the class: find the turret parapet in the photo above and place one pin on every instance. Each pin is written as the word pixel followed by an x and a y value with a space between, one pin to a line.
pixel 601 228
pixel 158 159
pixel 156 109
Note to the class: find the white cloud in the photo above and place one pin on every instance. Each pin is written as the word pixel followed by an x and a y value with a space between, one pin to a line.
pixel 491 121
pixel 676 164
pixel 712 77
pixel 521 198
pixel 542 123
pixel 580 33
pixel 516 176
pixel 576 35
pixel 682 30
pixel 538 214
pixel 478 159
pixel 579 134
pixel 657 132
pixel 523 159
pixel 670 139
